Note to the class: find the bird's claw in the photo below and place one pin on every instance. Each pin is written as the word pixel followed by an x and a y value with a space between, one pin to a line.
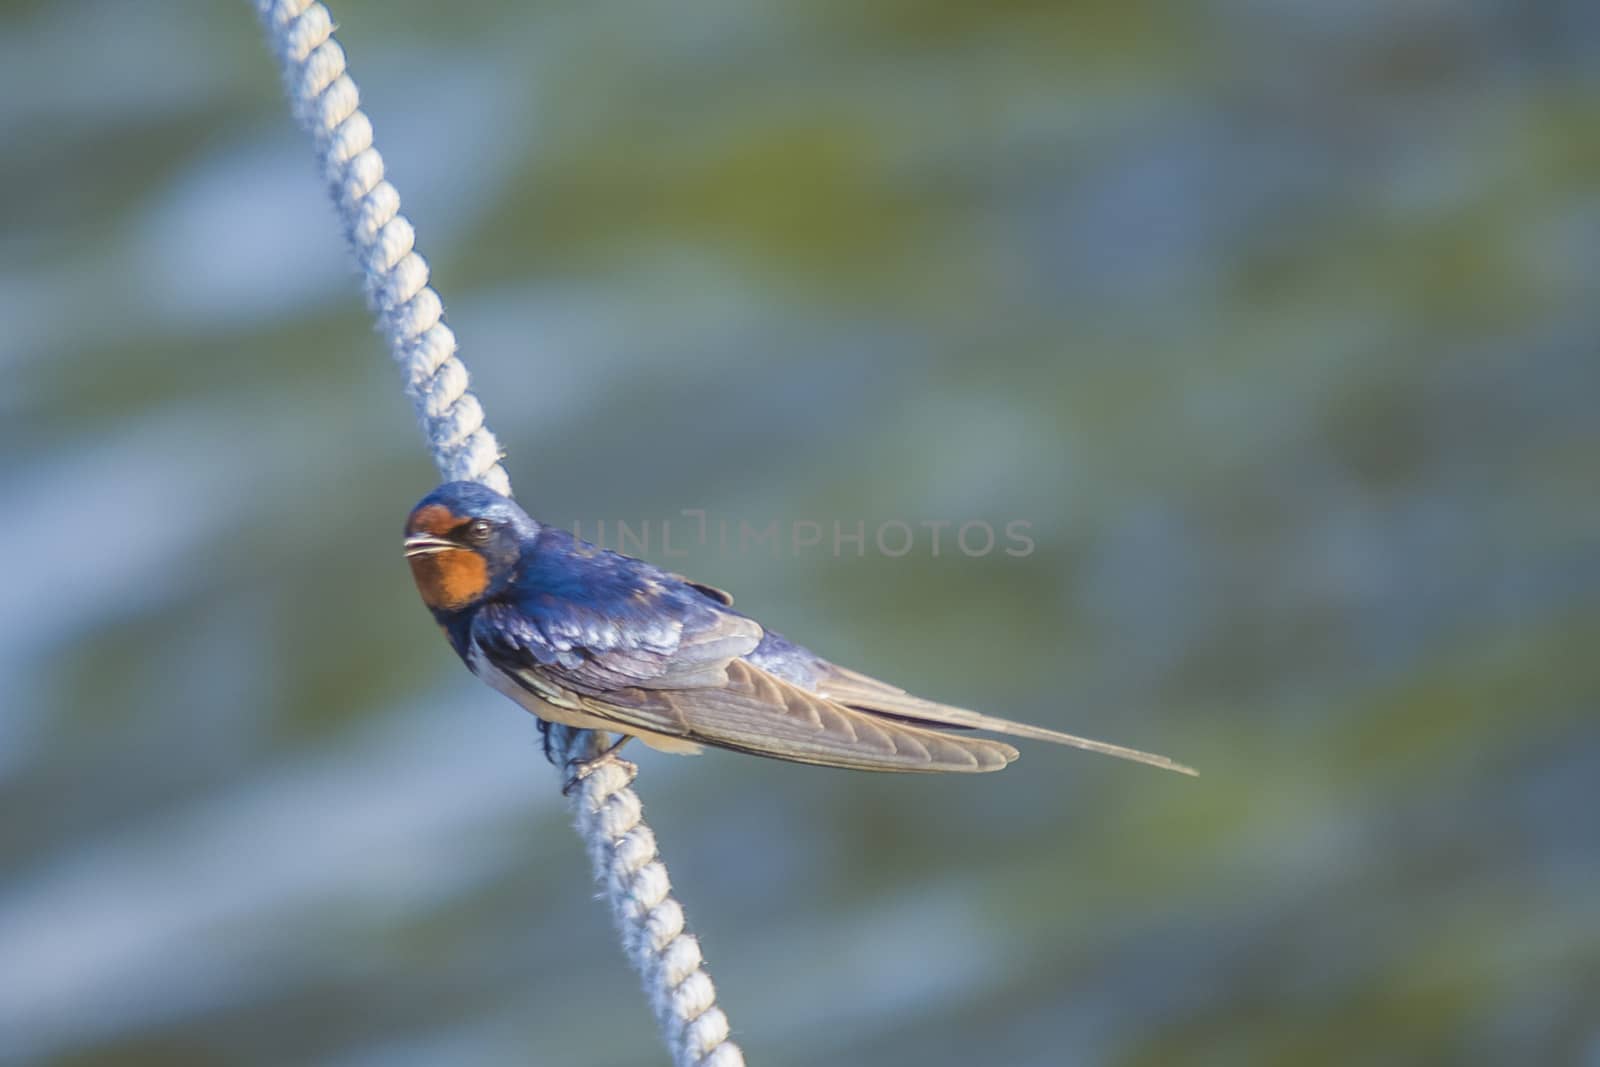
pixel 579 770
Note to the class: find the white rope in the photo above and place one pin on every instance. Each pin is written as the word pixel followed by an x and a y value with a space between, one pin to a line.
pixel 634 878
pixel 409 314
pixel 607 811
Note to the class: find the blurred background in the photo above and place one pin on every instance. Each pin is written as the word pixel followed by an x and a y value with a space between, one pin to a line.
pixel 1275 324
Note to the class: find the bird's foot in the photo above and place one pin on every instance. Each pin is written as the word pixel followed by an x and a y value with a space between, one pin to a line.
pixel 579 770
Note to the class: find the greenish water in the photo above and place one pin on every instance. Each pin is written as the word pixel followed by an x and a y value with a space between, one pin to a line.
pixel 1274 326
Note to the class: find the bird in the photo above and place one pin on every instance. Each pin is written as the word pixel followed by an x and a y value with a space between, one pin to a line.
pixel 597 640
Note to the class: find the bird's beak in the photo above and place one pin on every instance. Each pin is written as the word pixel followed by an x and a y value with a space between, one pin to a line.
pixel 423 544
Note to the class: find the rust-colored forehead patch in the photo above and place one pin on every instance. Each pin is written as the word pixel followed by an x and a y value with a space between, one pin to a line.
pixel 435 519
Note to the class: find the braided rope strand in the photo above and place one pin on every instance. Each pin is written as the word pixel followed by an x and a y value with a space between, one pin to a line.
pixel 410 315
pixel 610 818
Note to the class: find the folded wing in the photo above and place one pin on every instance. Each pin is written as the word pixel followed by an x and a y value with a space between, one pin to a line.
pixel 616 639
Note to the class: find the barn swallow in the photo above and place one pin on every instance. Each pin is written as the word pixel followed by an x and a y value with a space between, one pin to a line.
pixel 600 641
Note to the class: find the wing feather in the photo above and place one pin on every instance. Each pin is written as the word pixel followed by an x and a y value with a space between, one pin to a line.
pixel 585 651
pixel 758 713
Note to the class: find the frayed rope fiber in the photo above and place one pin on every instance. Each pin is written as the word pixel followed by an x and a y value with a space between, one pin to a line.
pixel 410 316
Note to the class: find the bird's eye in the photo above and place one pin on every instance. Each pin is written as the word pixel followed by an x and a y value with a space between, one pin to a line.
pixel 478 531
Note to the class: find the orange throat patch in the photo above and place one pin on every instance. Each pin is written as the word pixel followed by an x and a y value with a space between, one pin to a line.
pixel 450 580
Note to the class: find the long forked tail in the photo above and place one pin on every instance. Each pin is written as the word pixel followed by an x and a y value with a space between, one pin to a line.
pixel 859 691
pixel 1039 733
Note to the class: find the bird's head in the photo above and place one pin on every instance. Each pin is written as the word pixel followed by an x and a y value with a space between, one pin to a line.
pixel 463 542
